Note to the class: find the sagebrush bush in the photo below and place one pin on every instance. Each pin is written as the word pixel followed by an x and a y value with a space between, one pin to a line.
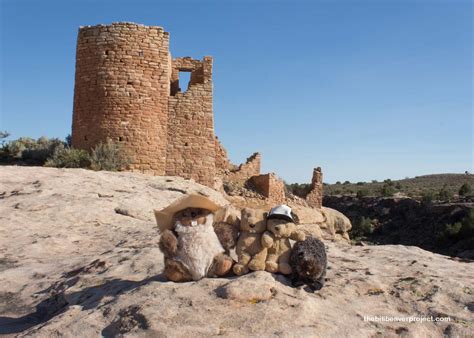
pixel 69 158
pixel 109 156
pixel 362 227
pixel 462 230
pixel 32 151
pixel 387 190
pixel 427 196
pixel 444 194
pixel 362 193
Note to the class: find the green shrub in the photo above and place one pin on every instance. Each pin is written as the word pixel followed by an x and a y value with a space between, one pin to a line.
pixel 463 230
pixel 427 197
pixel 32 151
pixel 69 158
pixel 109 156
pixel 452 230
pixel 346 182
pixel 3 153
pixel 465 190
pixel 444 194
pixel 15 148
pixel 360 183
pixel 362 227
pixel 388 181
pixel 467 228
pixel 362 193
pixel 387 190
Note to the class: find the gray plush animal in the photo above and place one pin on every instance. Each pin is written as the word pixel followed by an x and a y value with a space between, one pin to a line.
pixel 308 262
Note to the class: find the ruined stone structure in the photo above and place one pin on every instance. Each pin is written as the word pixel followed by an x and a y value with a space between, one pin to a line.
pixel 315 196
pixel 127 90
pixel 270 186
pixel 248 169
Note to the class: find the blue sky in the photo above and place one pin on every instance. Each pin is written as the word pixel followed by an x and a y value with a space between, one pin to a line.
pixel 364 89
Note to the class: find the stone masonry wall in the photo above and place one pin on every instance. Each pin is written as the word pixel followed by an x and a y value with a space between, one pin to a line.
pixel 269 186
pixel 250 168
pixel 191 151
pixel 223 163
pixel 315 196
pixel 121 91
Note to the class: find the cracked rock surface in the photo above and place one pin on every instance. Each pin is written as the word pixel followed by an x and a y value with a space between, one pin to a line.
pixel 79 257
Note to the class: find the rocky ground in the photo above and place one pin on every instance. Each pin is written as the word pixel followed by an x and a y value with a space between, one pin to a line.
pixel 79 257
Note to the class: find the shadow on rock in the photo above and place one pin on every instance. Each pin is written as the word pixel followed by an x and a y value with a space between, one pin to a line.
pixel 127 320
pixel 59 302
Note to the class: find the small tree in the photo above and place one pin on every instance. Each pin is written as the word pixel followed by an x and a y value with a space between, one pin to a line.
pixel 3 135
pixel 465 190
pixel 68 140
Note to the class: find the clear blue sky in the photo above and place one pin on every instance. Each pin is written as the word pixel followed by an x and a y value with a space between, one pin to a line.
pixel 364 89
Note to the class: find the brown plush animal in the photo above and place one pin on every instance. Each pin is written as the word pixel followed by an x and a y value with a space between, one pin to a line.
pixel 250 252
pixel 227 226
pixel 280 229
pixel 188 241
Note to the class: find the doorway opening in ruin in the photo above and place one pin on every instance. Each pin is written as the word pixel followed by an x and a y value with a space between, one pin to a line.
pixel 184 78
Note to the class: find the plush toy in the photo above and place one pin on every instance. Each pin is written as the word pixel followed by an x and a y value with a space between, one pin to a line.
pixel 309 262
pixel 280 229
pixel 250 252
pixel 188 241
pixel 227 226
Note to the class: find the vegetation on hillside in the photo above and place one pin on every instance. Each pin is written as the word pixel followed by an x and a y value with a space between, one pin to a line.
pixel 53 152
pixel 427 188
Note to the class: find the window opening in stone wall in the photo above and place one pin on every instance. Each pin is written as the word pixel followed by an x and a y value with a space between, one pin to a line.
pixel 85 138
pixel 184 78
pixel 120 138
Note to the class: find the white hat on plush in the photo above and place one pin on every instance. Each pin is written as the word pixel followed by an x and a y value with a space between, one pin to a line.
pixel 281 211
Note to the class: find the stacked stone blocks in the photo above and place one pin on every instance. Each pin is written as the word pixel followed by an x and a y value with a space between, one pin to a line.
pixel 315 196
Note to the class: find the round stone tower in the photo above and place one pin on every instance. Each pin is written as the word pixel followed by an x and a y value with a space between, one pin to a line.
pixel 121 91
